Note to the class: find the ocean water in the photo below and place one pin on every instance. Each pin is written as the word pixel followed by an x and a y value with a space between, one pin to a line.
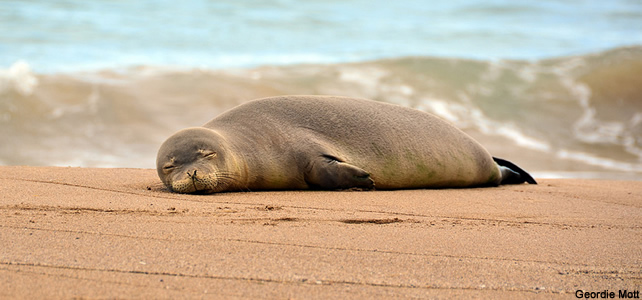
pixel 555 86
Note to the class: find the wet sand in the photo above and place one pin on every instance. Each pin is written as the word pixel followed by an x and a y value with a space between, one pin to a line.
pixel 118 233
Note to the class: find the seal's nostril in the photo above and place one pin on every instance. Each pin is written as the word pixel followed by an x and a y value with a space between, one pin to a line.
pixel 194 179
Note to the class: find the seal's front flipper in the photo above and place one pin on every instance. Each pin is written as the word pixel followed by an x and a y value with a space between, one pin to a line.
pixel 328 172
pixel 512 174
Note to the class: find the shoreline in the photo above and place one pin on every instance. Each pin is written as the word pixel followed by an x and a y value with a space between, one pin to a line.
pixel 89 232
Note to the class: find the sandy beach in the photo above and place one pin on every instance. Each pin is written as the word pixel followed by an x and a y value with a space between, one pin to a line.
pixel 118 233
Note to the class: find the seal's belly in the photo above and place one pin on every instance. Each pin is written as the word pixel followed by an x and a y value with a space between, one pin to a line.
pixel 415 170
pixel 455 160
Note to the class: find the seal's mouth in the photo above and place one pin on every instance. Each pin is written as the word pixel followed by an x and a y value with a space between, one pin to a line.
pixel 200 180
pixel 201 184
pixel 194 182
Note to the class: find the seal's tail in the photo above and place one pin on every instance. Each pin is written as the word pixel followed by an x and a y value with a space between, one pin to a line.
pixel 512 174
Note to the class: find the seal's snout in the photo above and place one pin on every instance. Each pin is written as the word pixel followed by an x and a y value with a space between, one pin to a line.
pixel 195 181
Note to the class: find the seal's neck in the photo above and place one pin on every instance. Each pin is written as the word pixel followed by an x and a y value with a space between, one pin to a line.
pixel 235 160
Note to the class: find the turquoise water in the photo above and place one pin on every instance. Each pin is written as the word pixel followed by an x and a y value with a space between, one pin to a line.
pixel 58 36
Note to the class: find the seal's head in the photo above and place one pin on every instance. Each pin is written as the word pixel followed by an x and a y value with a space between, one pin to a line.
pixel 197 160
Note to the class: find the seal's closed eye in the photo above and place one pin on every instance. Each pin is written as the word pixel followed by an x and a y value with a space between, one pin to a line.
pixel 208 153
pixel 168 167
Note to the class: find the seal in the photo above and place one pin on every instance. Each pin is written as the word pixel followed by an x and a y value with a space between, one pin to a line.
pixel 327 142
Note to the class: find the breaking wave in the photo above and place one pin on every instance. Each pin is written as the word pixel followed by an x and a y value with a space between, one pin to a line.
pixel 569 114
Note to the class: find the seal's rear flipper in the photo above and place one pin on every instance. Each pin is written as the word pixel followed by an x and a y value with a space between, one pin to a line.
pixel 512 174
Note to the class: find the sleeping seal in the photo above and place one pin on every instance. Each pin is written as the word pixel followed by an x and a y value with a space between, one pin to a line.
pixel 327 142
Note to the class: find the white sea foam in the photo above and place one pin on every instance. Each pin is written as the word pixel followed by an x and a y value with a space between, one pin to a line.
pixel 369 77
pixel 598 161
pixel 472 117
pixel 444 109
pixel 609 175
pixel 18 78
pixel 591 130
pixel 521 139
